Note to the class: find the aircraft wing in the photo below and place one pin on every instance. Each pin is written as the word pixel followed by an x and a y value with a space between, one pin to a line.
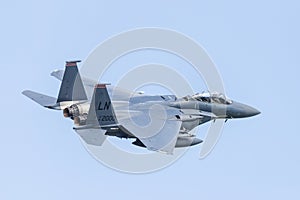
pixel 162 140
pixel 153 125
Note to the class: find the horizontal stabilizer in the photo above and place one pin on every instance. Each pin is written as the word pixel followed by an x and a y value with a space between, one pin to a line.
pixel 41 99
pixel 94 137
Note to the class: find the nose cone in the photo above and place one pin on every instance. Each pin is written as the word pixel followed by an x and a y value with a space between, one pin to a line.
pixel 241 110
pixel 250 111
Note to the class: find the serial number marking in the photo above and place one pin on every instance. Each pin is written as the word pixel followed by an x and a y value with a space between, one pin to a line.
pixel 106 118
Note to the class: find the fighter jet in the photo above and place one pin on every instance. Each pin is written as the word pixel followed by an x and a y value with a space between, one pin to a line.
pixel 156 122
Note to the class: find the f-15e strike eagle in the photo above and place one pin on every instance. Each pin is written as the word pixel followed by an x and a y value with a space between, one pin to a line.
pixel 159 123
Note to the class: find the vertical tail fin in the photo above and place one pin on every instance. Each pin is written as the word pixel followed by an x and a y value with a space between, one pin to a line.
pixel 71 88
pixel 101 108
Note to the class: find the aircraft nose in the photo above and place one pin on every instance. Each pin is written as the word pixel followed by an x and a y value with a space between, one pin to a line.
pixel 250 111
pixel 241 110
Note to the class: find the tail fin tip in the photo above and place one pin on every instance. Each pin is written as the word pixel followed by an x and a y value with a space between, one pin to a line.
pixel 72 63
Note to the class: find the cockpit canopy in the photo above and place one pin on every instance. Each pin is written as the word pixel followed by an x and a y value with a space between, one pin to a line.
pixel 213 97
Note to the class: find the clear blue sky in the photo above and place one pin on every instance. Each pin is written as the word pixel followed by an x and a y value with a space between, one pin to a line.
pixel 255 45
